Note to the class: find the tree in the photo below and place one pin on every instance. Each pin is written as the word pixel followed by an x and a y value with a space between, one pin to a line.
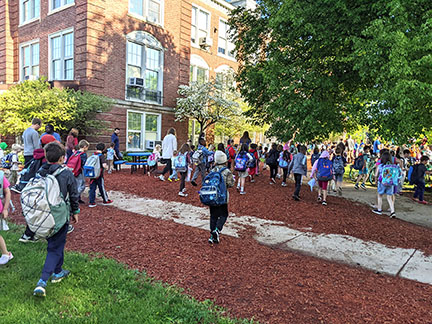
pixel 207 103
pixel 63 108
pixel 325 66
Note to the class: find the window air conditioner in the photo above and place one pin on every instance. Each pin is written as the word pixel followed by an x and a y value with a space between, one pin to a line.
pixel 150 145
pixel 205 42
pixel 30 77
pixel 136 82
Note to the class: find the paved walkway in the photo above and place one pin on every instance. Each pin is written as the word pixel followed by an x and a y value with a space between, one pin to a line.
pixel 407 263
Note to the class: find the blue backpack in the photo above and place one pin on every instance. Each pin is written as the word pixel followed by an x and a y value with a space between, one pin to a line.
pixel 180 163
pixel 213 191
pixel 389 175
pixel 252 163
pixel 6 162
pixel 282 163
pixel 241 161
pixel 324 170
pixel 338 165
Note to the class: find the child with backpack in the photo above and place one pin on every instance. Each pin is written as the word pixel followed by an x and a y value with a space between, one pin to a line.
pixel 284 162
pixel 252 166
pixel 12 157
pixel 94 169
pixel 271 160
pixel 360 163
pixel 153 159
pixel 418 179
pixel 298 166
pixel 5 194
pixel 220 178
pixel 59 183
pixel 76 163
pixel 181 165
pixel 263 157
pixel 174 175
pixel 315 155
pixel 111 155
pixel 199 158
pixel 339 163
pixel 242 161
pixel 230 153
pixel 322 171
pixel 388 175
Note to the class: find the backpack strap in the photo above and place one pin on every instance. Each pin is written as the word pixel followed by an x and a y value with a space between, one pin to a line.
pixel 1 184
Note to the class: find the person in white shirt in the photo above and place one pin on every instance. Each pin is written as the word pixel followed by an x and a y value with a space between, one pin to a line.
pixel 169 145
pixel 13 176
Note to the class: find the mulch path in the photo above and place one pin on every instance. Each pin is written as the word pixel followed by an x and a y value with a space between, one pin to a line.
pixel 251 280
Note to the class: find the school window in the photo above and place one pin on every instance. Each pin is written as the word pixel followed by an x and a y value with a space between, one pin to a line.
pixel 143 129
pixel 29 59
pixel 62 56
pixel 200 25
pixel 225 46
pixel 30 9
pixel 55 4
pixel 199 69
pixel 151 10
pixel 144 68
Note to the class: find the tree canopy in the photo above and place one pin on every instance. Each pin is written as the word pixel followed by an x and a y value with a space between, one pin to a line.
pixel 63 108
pixel 317 67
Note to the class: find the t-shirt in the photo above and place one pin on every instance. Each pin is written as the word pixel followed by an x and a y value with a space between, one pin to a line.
pixel 31 141
pixel 351 144
pixel 421 171
pixel 169 145
pixel 6 184
pixel 376 146
pixel 110 154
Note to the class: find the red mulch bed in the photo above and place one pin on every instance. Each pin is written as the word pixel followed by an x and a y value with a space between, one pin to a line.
pixel 274 202
pixel 250 279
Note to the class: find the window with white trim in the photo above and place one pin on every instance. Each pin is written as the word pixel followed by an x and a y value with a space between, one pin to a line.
pixel 200 25
pixel 144 73
pixel 29 60
pixel 62 56
pixel 29 9
pixel 199 69
pixel 55 4
pixel 151 10
pixel 142 127
pixel 225 46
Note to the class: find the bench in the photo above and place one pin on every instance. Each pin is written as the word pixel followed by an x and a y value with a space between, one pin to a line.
pixel 136 165
pixel 119 163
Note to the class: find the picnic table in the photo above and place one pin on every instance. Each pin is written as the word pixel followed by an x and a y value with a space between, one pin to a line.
pixel 138 159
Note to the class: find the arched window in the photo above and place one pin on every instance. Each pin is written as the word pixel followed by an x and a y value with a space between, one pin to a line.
pixel 225 73
pixel 199 69
pixel 144 75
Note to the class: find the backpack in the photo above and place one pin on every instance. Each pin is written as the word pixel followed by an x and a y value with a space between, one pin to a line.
pixel 28 173
pixel 6 162
pixel 241 161
pixel 389 175
pixel 210 157
pixel 338 165
pixel 314 158
pixel 198 157
pixel 251 163
pixel 282 163
pixel 413 174
pixel 74 163
pixel 52 211
pixel 271 158
pixel 151 161
pixel 180 163
pixel 324 170
pixel 358 162
pixel 92 167
pixel 213 191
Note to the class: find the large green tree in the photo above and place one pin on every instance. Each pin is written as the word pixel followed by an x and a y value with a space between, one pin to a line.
pixel 315 67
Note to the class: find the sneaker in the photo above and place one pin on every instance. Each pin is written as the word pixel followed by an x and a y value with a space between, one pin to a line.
pixel 296 198
pixel 252 180
pixel 109 201
pixel 177 179
pixel 182 194
pixel 324 203
pixel 210 240
pixel 70 229
pixel 278 176
pixel 356 186
pixel 92 205
pixel 376 211
pixel 193 183
pixel 26 239
pixel 57 277
pixel 363 186
pixel 242 192
pixel 39 291
pixel 319 198
pixel 423 202
pixel 283 184
pixel 6 258
pixel 238 188
pixel 273 180
pixel 161 178
pixel 393 215
pixel 215 236
pixel 15 189
pixel 170 180
pixel 340 191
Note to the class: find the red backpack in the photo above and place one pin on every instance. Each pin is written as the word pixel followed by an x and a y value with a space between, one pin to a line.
pixel 74 163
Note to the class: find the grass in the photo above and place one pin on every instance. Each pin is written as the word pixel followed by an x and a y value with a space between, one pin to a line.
pixel 99 290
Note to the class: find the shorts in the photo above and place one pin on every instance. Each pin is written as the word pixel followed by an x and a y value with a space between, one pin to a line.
pixel 363 171
pixel 383 190
pixel 323 184
pixel 338 177
pixel 243 174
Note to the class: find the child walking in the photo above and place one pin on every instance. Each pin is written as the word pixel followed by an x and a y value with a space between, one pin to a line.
pixel 99 182
pixel 339 163
pixel 111 155
pixel 253 164
pixel 173 175
pixel 419 180
pixel 322 171
pixel 55 155
pixel 200 162
pixel 271 160
pixel 76 163
pixel 153 160
pixel 6 255
pixel 241 165
pixel 363 172
pixel 298 166
pixel 284 162
pixel 219 214
pixel 13 175
pixel 181 166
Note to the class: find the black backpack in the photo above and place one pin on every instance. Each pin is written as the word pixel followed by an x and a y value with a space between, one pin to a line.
pixel 413 174
pixel 272 157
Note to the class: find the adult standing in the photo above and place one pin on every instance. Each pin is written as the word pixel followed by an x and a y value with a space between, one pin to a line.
pixel 169 145
pixel 71 142
pixel 245 139
pixel 115 139
pixel 351 146
pixel 31 140
pixel 377 146
pixel 49 130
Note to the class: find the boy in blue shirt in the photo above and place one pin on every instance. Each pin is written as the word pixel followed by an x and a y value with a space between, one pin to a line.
pixel 201 166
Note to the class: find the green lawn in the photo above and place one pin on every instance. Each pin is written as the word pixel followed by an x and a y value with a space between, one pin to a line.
pixel 98 290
